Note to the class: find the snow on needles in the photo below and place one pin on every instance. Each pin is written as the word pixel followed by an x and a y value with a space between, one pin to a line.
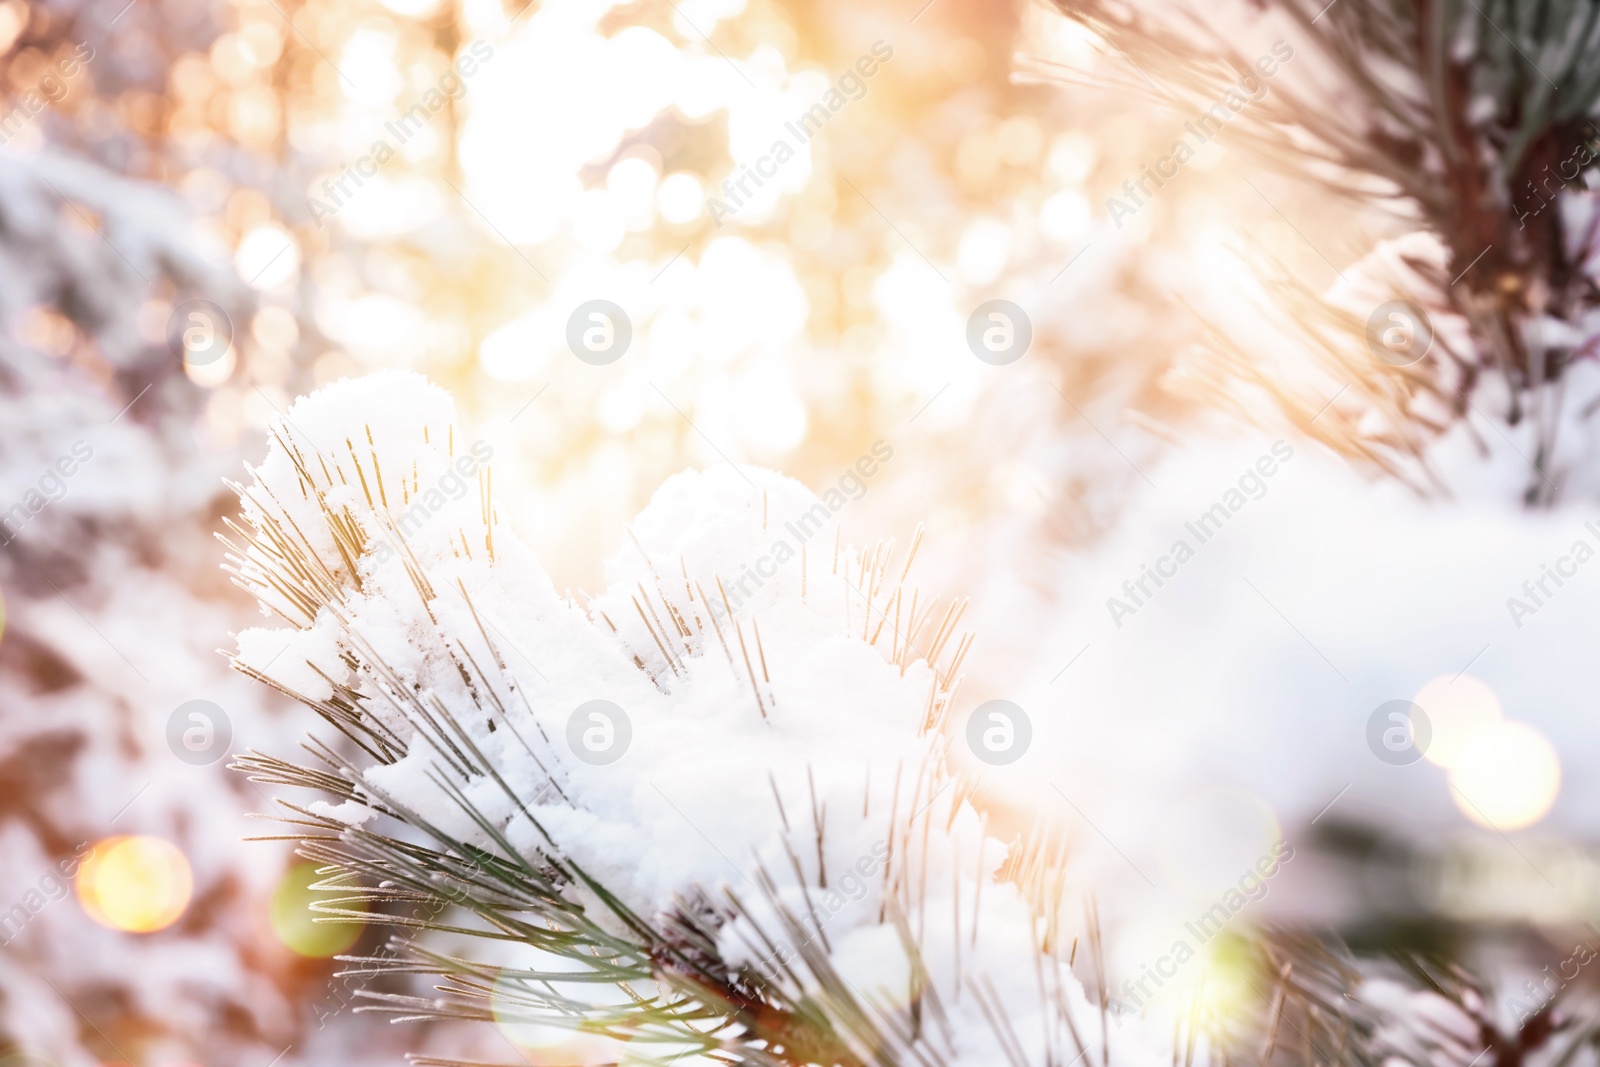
pixel 735 755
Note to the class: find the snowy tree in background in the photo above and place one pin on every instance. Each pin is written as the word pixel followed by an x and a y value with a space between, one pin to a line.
pixel 1472 123
pixel 111 616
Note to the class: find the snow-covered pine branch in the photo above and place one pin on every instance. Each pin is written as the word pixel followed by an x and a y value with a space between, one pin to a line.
pixel 1471 127
pixel 755 851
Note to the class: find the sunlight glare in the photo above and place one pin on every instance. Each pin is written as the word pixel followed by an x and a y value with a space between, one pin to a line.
pixel 137 884
pixel 1458 709
pixel 1507 777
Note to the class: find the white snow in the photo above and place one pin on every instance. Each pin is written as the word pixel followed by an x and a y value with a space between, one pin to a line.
pixel 690 807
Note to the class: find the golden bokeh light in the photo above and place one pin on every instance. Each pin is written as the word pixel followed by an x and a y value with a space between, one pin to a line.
pixel 212 374
pixel 295 923
pixel 268 256
pixel 13 17
pixel 1458 710
pixel 1226 990
pixel 135 883
pixel 1507 777
pixel 680 197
